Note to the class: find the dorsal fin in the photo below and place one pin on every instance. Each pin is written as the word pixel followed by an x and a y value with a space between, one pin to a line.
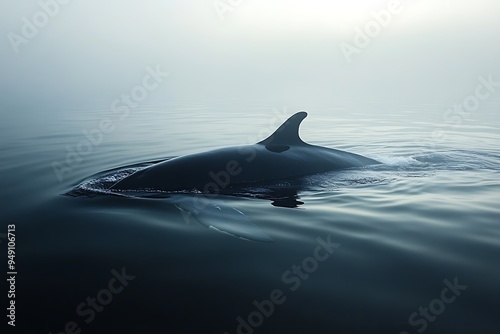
pixel 287 133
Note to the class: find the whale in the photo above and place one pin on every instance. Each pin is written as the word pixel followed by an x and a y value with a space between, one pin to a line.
pixel 282 155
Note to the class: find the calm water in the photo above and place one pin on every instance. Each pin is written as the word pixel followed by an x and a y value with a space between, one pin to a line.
pixel 429 214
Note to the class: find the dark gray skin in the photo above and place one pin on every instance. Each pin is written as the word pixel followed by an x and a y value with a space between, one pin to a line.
pixel 282 155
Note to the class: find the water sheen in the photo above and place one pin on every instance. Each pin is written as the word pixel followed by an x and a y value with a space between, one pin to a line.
pixel 428 214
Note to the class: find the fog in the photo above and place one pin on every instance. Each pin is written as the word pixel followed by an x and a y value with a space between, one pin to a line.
pixel 90 52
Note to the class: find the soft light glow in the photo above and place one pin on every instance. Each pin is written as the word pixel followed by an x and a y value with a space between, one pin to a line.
pixel 286 14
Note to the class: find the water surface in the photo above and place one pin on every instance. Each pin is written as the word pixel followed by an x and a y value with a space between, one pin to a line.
pixel 428 214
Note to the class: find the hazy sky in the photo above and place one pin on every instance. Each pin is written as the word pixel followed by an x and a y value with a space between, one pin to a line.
pixel 92 51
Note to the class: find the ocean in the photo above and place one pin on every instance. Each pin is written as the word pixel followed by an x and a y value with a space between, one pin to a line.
pixel 407 246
